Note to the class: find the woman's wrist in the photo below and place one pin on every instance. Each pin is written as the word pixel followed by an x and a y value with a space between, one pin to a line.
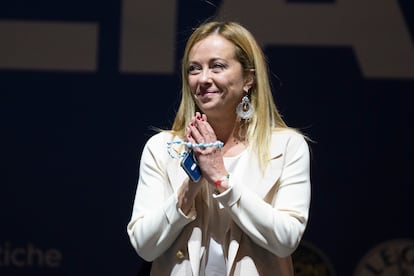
pixel 222 183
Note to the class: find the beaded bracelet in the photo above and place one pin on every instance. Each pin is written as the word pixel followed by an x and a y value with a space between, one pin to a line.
pixel 220 181
pixel 189 145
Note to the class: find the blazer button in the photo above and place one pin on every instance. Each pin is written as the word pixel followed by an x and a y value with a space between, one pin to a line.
pixel 180 254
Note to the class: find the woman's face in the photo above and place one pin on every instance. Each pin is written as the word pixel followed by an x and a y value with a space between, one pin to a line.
pixel 215 77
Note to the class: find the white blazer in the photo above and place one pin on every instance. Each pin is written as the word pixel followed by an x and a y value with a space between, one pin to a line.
pixel 269 211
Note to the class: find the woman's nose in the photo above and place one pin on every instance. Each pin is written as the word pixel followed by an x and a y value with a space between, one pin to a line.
pixel 205 76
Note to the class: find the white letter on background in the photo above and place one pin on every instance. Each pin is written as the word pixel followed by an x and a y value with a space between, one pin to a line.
pixel 57 46
pixel 147 36
pixel 376 30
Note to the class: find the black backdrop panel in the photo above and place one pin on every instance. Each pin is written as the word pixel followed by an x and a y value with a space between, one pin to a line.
pixel 71 139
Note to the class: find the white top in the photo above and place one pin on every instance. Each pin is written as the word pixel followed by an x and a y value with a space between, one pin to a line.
pixel 216 264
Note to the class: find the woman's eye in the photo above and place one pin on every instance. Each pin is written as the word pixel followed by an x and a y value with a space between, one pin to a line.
pixel 192 69
pixel 218 67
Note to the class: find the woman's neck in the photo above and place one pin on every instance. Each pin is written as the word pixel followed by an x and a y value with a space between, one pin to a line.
pixel 228 133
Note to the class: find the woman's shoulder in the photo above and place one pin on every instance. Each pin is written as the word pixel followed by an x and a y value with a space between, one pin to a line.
pixel 287 133
pixel 288 137
pixel 161 137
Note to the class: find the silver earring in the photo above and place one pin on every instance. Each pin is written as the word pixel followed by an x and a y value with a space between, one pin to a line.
pixel 245 109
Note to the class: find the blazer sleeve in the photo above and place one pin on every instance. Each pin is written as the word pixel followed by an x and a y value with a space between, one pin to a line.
pixel 277 226
pixel 156 220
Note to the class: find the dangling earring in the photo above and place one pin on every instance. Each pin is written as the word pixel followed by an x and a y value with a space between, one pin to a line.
pixel 245 109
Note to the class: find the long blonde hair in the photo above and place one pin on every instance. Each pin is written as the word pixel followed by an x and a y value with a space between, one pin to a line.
pixel 266 117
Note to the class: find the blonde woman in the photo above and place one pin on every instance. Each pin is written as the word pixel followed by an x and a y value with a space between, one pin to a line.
pixel 226 191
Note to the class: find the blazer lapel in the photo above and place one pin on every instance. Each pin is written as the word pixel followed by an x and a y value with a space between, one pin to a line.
pixel 195 250
pixel 250 171
pixel 175 173
pixel 234 237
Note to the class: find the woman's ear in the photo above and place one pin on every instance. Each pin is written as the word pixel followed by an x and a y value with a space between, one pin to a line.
pixel 249 80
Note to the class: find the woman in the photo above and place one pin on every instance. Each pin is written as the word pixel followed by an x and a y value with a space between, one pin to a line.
pixel 247 213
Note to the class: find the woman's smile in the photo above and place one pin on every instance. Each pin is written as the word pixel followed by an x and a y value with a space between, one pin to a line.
pixel 207 93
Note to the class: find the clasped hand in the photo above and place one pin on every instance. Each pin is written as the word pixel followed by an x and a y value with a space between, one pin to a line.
pixel 210 159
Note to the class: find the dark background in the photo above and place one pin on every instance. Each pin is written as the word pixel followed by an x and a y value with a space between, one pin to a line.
pixel 71 142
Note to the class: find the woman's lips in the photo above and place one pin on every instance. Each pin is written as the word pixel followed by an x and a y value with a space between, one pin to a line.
pixel 207 93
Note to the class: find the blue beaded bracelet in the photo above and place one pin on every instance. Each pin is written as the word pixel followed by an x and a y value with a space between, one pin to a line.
pixel 189 145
